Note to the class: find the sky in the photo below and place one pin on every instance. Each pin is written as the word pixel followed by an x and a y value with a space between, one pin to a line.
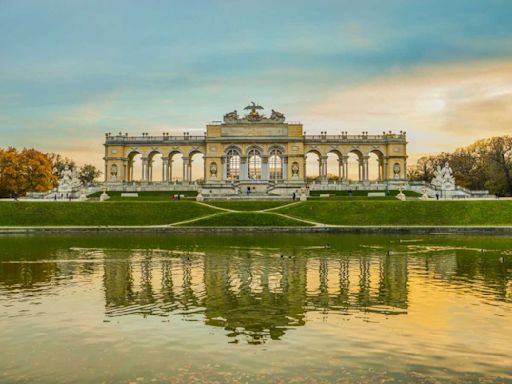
pixel 72 70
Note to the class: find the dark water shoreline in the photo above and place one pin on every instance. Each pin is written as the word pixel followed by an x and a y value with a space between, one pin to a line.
pixel 425 230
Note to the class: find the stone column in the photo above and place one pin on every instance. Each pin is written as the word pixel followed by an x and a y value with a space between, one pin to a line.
pixel 284 164
pixel 345 168
pixel 144 169
pixel 360 168
pixel 244 169
pixel 265 169
pixel 125 170
pixel 324 168
pixel 385 168
pixel 165 170
pixel 185 170
pixel 189 166
pixel 365 168
pixel 130 170
pixel 224 166
pixel 169 169
pixel 150 170
pixel 304 168
pixel 340 167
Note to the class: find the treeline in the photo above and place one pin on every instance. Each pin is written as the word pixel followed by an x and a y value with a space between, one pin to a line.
pixel 485 164
pixel 29 170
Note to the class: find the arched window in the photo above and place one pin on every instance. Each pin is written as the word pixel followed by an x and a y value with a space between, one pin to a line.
pixel 254 159
pixel 233 164
pixel 275 163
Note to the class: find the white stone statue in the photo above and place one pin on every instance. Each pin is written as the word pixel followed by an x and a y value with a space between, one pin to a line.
pixel 424 194
pixel 401 195
pixel 69 181
pixel 104 196
pixel 83 195
pixel 443 178
pixel 295 170
pixel 303 194
pixel 199 196
pixel 213 170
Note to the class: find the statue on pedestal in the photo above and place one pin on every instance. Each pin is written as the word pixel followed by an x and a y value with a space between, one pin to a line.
pixel 295 170
pixel 104 196
pixel 69 181
pixel 199 196
pixel 401 195
pixel 443 178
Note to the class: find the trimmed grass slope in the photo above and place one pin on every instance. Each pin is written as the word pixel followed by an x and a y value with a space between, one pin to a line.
pixel 247 205
pixel 95 213
pixel 245 219
pixel 404 212
pixel 145 195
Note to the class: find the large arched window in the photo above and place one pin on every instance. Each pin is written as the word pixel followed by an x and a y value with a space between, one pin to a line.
pixel 254 159
pixel 275 163
pixel 233 164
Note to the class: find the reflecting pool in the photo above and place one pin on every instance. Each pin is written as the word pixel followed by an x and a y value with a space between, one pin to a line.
pixel 255 308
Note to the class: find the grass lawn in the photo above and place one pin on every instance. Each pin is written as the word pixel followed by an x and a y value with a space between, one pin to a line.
pixel 238 205
pixel 245 219
pixel 96 213
pixel 364 194
pixel 145 195
pixel 364 212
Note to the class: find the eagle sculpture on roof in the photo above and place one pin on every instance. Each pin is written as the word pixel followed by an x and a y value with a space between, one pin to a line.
pixel 254 115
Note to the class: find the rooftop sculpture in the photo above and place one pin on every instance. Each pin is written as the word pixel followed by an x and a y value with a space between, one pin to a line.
pixel 254 116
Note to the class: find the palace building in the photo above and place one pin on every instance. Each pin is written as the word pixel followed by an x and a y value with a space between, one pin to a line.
pixel 254 151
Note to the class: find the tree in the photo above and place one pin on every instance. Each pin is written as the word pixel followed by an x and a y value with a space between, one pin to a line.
pixel 59 162
pixel 25 171
pixel 485 164
pixel 88 173
pixel 39 175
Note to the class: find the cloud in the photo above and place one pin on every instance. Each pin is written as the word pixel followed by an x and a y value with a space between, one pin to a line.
pixel 440 106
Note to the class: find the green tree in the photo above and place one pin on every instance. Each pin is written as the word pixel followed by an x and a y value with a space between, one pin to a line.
pixel 88 173
pixel 58 164
pixel 485 164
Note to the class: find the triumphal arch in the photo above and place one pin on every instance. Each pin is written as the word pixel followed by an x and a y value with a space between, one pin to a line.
pixel 260 151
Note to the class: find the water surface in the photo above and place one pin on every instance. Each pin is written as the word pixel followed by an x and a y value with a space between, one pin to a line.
pixel 255 308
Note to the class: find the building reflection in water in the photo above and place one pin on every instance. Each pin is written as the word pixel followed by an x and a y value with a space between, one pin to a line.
pixel 257 293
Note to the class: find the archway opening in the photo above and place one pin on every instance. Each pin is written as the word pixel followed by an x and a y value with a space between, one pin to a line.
pixel 197 171
pixel 312 166
pixel 275 164
pixel 333 166
pixel 134 167
pixel 233 164
pixel 375 166
pixel 155 167
pixel 175 167
pixel 254 164
pixel 354 161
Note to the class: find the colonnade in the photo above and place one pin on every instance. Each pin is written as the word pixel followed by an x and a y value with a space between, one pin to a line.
pixel 243 171
pixel 167 171
pixel 343 168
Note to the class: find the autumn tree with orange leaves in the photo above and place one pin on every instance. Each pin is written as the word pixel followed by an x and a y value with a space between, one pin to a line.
pixel 25 171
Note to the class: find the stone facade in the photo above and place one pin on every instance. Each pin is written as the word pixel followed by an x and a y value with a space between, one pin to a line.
pixel 254 149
